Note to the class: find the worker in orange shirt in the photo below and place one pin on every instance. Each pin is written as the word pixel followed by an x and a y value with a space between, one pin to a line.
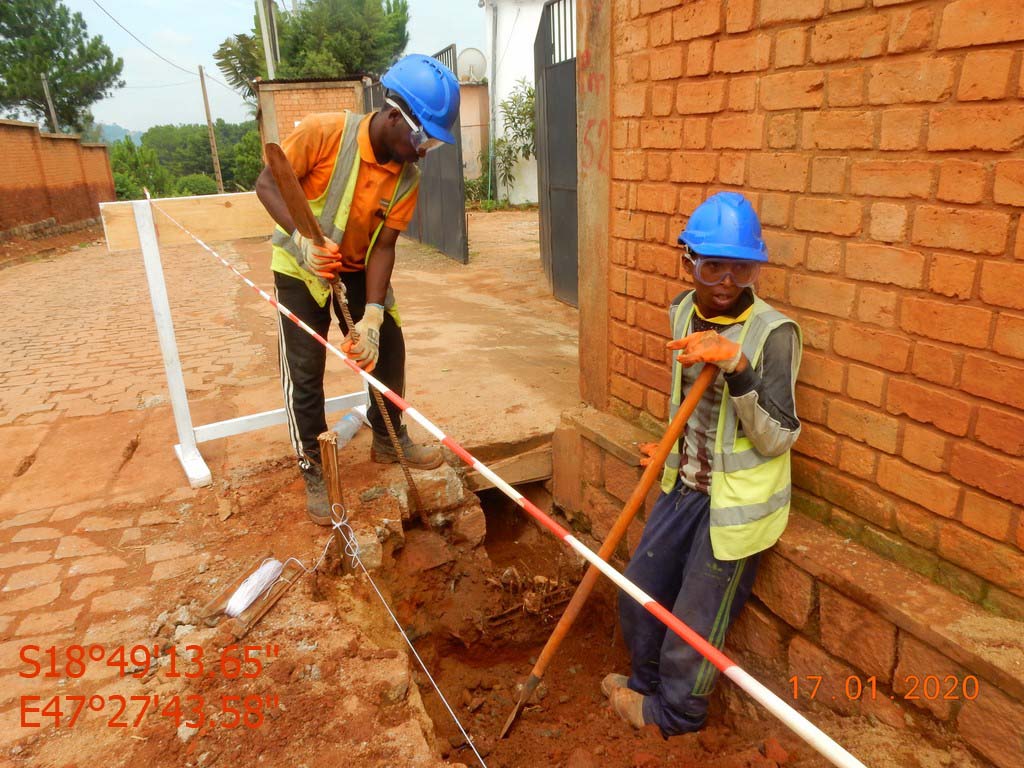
pixel 360 176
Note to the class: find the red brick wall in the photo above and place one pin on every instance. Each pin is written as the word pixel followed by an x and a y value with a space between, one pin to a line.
pixel 293 101
pixel 879 142
pixel 49 177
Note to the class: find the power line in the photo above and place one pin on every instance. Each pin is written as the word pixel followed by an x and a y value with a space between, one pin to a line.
pixel 162 85
pixel 159 56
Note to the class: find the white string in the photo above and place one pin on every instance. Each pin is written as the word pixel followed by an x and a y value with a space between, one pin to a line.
pixel 258 582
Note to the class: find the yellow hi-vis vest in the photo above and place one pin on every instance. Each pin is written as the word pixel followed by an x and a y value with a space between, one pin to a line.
pixel 332 209
pixel 750 493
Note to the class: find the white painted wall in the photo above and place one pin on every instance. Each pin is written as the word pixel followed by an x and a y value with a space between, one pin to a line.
pixel 518 21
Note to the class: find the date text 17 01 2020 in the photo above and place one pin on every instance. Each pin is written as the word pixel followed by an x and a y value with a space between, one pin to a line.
pixel 913 688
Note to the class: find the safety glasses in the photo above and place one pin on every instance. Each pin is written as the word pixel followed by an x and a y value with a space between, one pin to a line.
pixel 420 139
pixel 711 271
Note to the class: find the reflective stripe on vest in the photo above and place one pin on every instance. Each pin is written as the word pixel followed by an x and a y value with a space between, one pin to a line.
pixel 332 208
pixel 750 493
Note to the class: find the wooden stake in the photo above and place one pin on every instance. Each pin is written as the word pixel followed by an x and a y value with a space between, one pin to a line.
pixel 213 135
pixel 332 479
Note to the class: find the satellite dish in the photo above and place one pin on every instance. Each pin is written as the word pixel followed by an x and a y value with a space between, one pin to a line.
pixel 472 66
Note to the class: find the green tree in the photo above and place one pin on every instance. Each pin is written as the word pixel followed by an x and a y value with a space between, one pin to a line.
pixel 518 141
pixel 196 184
pixel 135 167
pixel 181 149
pixel 240 60
pixel 42 37
pixel 248 160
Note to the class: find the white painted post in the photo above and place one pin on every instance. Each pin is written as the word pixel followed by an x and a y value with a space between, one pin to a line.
pixel 188 454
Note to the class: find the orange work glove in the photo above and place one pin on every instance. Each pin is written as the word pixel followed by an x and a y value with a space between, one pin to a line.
pixel 648 450
pixel 708 347
pixel 322 260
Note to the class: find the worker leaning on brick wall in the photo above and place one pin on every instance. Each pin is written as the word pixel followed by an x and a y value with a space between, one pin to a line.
pixel 726 485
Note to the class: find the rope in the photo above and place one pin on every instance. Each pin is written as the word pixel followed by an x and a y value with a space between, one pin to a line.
pixel 795 721
pixel 258 582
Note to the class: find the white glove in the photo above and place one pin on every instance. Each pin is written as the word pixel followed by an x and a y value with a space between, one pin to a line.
pixel 366 350
pixel 322 260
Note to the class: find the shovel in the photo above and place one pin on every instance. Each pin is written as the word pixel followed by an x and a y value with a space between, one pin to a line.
pixel 634 505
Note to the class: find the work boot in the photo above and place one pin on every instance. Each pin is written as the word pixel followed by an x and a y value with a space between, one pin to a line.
pixel 629 705
pixel 612 681
pixel 317 506
pixel 417 455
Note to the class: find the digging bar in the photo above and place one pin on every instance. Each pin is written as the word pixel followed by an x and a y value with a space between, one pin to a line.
pixel 634 505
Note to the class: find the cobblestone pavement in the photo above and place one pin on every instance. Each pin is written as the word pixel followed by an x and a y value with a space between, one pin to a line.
pixel 97 524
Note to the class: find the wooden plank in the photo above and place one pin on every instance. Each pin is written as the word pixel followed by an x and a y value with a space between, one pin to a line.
pixel 212 218
pixel 529 467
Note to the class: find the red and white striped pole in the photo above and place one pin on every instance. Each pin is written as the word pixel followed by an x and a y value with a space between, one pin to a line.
pixel 800 725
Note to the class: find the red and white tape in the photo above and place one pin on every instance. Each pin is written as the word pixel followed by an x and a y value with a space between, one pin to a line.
pixel 792 719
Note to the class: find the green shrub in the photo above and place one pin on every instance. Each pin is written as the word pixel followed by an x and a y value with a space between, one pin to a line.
pixel 196 184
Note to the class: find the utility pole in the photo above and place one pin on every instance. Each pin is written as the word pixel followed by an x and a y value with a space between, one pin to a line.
pixel 54 126
pixel 213 136
pixel 268 42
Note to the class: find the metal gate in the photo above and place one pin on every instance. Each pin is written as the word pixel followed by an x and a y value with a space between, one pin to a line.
pixel 554 52
pixel 440 217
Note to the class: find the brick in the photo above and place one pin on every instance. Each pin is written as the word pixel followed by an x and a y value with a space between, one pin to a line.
pixel 948 412
pixel 812 666
pixel 1000 429
pixel 75 546
pixel 742 94
pixel 985 75
pixel 824 255
pixel 775 11
pixel 698 58
pixel 817 332
pixel 120 600
pixel 992 724
pixel 656 197
pixel 667 63
pixel 90 585
pixel 924 447
pixel 793 90
pixel 885 350
pixel 630 36
pixel 1009 338
pixel 627 165
pixel 742 54
pixel 785 589
pixel 997 380
pixel 919 661
pixel 697 19
pixel 758 632
pixel 874 652
pixel 695 132
pixel 821 372
pixel 817 443
pixel 932 491
pixel 864 424
pixel 839 130
pixel 811 404
pixel 910 81
pixel 36 599
pixel 865 384
pixel 992 472
pixel 700 97
pixel 780 171
pixel 887 222
pixel 989 516
pixel 790 48
pixel 952 275
pixel 846 87
pixel 663 100
pixel 630 101
pixel 838 6
pixel 640 67
pixel 784 248
pixel 627 390
pixel 877 306
pixel 737 131
pixel 901 129
pixel 884 178
pixel 158 552
pixel 978 22
pixel 859 37
pixel 822 294
pixel 961 229
pixel 1002 565
pixel 659 31
pixel 782 131
pixel 828 175
pixel 911 30
pixel 1002 283
pixel 35 534
pixel 661 134
pixel 999 128
pixel 23 557
pixel 940 320
pixel 1009 185
pixel 694 167
pixel 961 181
pixel 881 264
pixel 858 460
pixel 732 168
pixel 833 216
pixel 739 15
pixel 33 577
pixel 1018 249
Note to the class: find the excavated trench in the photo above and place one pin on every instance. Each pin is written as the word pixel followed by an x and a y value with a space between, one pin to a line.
pixel 479 618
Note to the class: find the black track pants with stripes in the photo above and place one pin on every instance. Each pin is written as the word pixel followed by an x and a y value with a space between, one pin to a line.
pixel 303 360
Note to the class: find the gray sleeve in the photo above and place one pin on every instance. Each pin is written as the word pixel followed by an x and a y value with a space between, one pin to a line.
pixel 764 397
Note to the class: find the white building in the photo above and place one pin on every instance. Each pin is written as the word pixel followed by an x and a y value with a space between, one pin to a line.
pixel 511 31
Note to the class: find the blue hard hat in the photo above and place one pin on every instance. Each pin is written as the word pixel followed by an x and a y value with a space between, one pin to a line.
pixel 725 225
pixel 431 91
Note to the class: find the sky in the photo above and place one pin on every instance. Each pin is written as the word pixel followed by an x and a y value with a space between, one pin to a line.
pixel 188 32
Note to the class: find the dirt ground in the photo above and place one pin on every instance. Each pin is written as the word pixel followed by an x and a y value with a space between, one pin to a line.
pixel 103 545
